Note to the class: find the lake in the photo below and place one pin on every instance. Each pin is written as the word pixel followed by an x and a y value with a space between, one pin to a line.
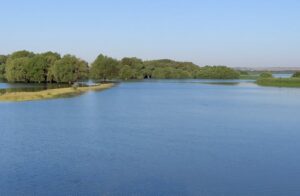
pixel 187 137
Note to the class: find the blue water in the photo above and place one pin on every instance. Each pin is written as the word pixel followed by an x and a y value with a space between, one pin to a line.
pixel 4 85
pixel 154 138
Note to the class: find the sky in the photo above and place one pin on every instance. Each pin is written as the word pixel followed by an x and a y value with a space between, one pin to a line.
pixel 237 33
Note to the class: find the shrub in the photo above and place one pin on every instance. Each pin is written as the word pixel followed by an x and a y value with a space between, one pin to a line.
pixel 296 75
pixel 218 72
pixel 266 75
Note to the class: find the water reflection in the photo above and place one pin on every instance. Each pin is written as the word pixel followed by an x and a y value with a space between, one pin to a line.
pixel 21 87
pixel 25 87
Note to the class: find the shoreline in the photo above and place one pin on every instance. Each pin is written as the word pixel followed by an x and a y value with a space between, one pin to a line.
pixel 51 93
pixel 279 82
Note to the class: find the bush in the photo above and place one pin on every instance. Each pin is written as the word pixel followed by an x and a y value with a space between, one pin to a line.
pixel 266 75
pixel 218 72
pixel 279 82
pixel 105 68
pixel 24 66
pixel 296 75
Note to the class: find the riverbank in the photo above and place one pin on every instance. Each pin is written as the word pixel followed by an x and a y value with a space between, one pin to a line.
pixel 51 93
pixel 279 82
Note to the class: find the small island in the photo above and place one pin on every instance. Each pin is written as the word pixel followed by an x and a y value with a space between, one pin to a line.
pixel 52 93
pixel 267 79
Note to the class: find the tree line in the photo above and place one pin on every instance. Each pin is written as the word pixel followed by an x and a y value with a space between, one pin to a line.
pixel 51 67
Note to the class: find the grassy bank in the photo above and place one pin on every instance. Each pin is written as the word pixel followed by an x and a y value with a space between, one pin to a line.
pixel 51 93
pixel 279 82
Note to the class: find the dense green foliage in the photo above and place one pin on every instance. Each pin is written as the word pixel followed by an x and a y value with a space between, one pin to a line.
pixel 127 73
pixel 266 75
pixel 245 73
pixel 279 82
pixel 297 74
pixel 3 60
pixel 69 69
pixel 133 68
pixel 25 66
pixel 161 69
pixel 218 72
pixel 104 68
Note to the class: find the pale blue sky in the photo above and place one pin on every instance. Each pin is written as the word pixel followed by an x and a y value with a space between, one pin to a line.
pixel 220 32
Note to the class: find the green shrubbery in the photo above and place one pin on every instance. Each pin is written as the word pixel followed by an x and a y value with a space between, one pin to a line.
pixel 105 68
pixel 217 72
pixel 3 60
pixel 25 66
pixel 267 79
pixel 266 75
pixel 296 75
pixel 279 82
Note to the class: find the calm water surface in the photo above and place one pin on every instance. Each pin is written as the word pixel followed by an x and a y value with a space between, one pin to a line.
pixel 154 138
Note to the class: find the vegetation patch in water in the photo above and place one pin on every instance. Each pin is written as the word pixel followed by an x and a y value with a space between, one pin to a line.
pixel 279 82
pixel 266 79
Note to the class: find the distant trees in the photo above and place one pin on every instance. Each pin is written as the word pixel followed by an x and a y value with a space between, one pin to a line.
pixel 266 75
pixel 245 73
pixel 36 69
pixel 21 54
pixel 126 73
pixel 217 72
pixel 69 69
pixel 16 69
pixel 170 73
pixel 104 68
pixel 169 69
pixel 24 66
pixel 3 59
pixel 296 75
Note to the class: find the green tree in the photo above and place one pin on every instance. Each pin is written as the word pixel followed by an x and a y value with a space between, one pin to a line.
pixel 217 72
pixel 296 75
pixel 3 59
pixel 69 69
pixel 21 54
pixel 2 71
pixel 132 62
pixel 169 69
pixel 36 70
pixel 19 66
pixel 266 75
pixel 16 69
pixel 104 68
pixel 158 73
pixel 127 73
pixel 50 58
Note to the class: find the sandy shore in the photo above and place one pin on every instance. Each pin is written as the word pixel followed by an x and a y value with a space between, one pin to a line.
pixel 51 93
